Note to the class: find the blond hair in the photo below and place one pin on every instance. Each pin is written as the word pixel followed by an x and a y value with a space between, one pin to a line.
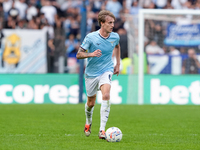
pixel 102 16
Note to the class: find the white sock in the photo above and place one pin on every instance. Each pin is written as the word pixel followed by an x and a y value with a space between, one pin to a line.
pixel 105 110
pixel 88 114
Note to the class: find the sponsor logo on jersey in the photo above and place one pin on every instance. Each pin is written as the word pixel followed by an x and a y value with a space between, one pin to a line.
pixel 98 43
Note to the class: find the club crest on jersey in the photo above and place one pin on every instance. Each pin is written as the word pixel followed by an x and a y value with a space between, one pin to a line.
pixel 84 42
pixel 112 43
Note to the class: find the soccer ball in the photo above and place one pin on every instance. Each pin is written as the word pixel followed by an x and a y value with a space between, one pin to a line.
pixel 113 134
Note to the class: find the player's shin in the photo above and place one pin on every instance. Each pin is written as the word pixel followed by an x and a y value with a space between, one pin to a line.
pixel 105 110
pixel 88 114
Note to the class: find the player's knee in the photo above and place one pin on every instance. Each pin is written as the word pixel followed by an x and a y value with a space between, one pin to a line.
pixel 91 104
pixel 91 101
pixel 106 96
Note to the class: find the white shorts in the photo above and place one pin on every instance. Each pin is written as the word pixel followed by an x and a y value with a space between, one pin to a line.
pixel 94 84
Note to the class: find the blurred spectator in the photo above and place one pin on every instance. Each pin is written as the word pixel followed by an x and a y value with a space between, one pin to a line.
pixel 165 49
pixel 31 10
pixel 32 24
pixel 95 5
pixel 59 43
pixel 152 6
pixel 135 7
pixel 153 48
pixel 197 5
pixel 7 4
pixel 1 14
pixel 49 12
pixel 188 5
pixel 9 23
pixel 71 45
pixel 168 6
pixel 149 26
pixel 44 25
pixel 1 37
pixel 158 33
pixel 182 50
pixel 74 25
pixel 160 3
pixel 90 16
pixel 95 24
pixel 55 4
pixel 114 6
pixel 123 42
pixel 119 23
pixel 49 29
pixel 50 55
pixel 70 4
pixel 13 12
pixel 61 2
pixel 173 51
pixel 146 3
pixel 178 4
pixel 22 7
pixel 67 23
pixel 21 24
pixel 155 31
pixel 191 64
pixel 128 3
pixel 42 18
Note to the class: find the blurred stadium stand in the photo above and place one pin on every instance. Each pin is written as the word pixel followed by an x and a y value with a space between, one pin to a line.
pixel 60 19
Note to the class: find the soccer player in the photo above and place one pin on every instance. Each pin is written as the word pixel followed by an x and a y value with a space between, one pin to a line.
pixel 98 47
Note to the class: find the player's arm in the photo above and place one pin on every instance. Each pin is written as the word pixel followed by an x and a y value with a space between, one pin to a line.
pixel 81 54
pixel 118 56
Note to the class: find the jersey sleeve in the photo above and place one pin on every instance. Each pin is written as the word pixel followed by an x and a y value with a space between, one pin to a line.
pixel 86 43
pixel 117 41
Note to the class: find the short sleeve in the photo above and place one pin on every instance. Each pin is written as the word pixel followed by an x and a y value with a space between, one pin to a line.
pixel 118 38
pixel 86 43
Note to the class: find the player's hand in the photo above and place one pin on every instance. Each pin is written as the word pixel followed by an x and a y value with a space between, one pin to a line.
pixel 116 70
pixel 97 53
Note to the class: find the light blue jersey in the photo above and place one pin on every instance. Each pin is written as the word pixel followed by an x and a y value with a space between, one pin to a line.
pixel 98 65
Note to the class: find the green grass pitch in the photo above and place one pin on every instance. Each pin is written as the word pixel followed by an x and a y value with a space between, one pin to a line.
pixel 60 127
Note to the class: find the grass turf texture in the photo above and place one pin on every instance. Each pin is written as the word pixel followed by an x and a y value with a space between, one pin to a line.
pixel 31 127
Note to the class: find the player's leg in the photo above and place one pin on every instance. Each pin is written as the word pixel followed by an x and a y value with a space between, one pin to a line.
pixel 105 109
pixel 91 88
pixel 105 86
pixel 89 107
